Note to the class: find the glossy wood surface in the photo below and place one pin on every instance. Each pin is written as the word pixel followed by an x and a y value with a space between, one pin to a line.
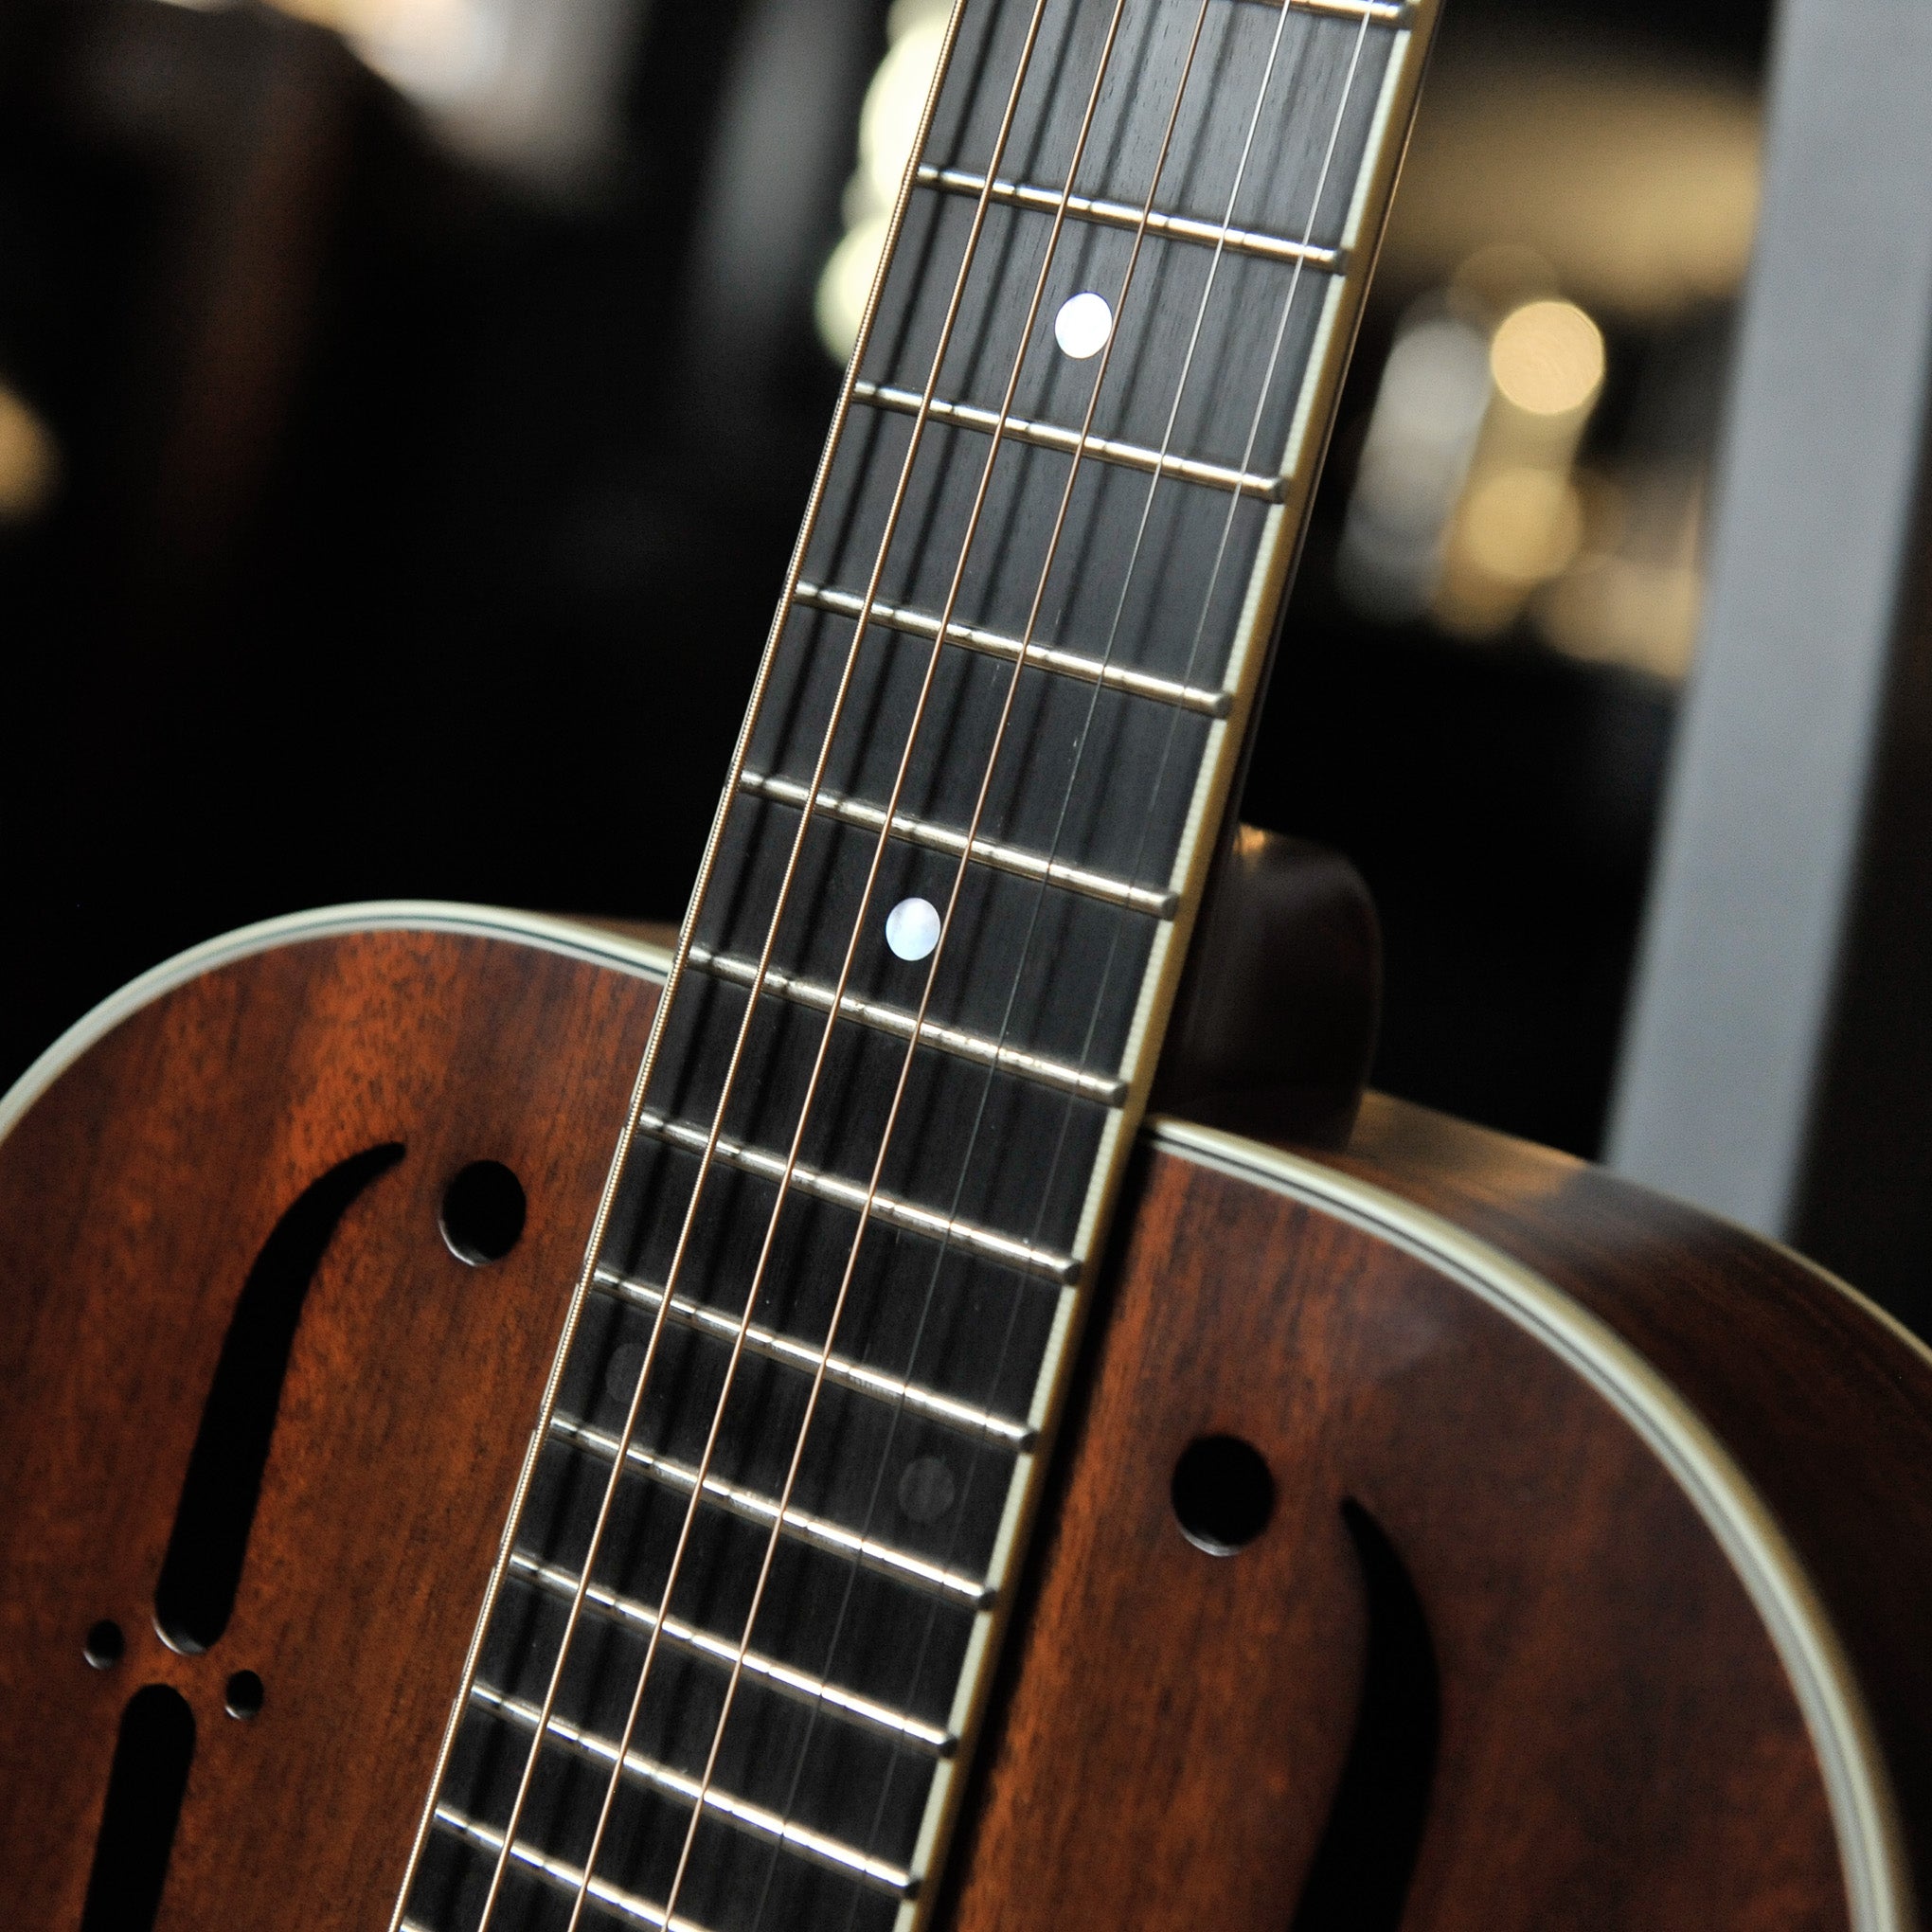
pixel 1826 1406
pixel 133 1200
pixel 1619 1744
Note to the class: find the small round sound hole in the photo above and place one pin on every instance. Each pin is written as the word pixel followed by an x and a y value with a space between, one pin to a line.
pixel 244 1696
pixel 483 1213
pixel 105 1645
pixel 1222 1493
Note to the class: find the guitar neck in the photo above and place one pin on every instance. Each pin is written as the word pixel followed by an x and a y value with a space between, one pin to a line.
pixel 732 1659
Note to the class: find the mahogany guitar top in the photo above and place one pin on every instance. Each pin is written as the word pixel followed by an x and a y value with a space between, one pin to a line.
pixel 1492 1661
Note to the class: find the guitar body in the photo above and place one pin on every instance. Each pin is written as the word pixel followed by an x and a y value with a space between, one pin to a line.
pixel 1587 1583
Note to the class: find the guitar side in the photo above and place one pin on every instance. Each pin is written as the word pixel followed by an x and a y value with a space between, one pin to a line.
pixel 1588 1594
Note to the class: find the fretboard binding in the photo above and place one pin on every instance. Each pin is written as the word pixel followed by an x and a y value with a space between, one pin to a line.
pixel 1119 677
pixel 794 1354
pixel 754 1506
pixel 561 1873
pixel 1157 902
pixel 754 1821
pixel 1113 214
pixel 1108 1090
pixel 891 1208
pixel 802 1684
pixel 1050 435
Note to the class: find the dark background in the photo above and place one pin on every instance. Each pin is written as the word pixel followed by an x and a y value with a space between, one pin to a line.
pixel 418 521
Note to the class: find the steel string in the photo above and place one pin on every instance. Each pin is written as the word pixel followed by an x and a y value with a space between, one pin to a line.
pixel 618 1467
pixel 858 931
pixel 1039 897
pixel 1031 625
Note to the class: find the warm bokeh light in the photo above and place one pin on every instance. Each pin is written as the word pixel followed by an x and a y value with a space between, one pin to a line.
pixel 28 463
pixel 888 126
pixel 1636 180
pixel 1547 358
pixel 1522 526
pixel 1635 592
pixel 533 87
pixel 1428 413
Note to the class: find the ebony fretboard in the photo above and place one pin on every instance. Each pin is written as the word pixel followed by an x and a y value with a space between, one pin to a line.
pixel 790 1451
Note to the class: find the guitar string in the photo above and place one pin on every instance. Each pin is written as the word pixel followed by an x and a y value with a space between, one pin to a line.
pixel 859 927
pixel 1260 407
pixel 993 1382
pixel 1247 456
pixel 680 953
pixel 918 1019
pixel 808 1416
pixel 898 1406
pixel 618 1467
pixel 784 1184
pixel 1036 600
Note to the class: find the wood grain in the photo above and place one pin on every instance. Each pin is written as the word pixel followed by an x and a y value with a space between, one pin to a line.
pixel 133 1199
pixel 1826 1406
pixel 1619 1744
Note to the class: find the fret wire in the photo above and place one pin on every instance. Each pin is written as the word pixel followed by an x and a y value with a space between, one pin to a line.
pixel 1113 214
pixel 559 1872
pixel 875 1383
pixel 1205 699
pixel 910 1216
pixel 1370 12
pixel 1050 436
pixel 1157 902
pixel 801 1684
pixel 819 1847
pixel 756 1506
pixel 1108 1089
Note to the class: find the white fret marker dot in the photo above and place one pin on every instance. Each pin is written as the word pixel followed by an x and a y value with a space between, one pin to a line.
pixel 912 928
pixel 1082 325
pixel 622 1372
pixel 926 1490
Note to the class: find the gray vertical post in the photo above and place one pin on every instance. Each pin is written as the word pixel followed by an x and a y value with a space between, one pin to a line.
pixel 1747 1078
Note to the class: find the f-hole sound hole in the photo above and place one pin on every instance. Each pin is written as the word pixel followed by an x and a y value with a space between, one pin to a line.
pixel 1222 1493
pixel 203 1566
pixel 105 1645
pixel 1359 1881
pixel 243 1695
pixel 144 1788
pixel 483 1213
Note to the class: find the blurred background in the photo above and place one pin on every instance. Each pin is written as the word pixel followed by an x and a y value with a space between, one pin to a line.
pixel 406 408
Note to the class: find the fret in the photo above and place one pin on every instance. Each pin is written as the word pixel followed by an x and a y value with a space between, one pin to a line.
pixel 1377 12
pixel 755 1506
pixel 820 1848
pixel 806 1688
pixel 1206 699
pixel 1109 1090
pixel 1113 214
pixel 1157 902
pixel 1050 435
pixel 888 1208
pixel 794 1354
pixel 559 1874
